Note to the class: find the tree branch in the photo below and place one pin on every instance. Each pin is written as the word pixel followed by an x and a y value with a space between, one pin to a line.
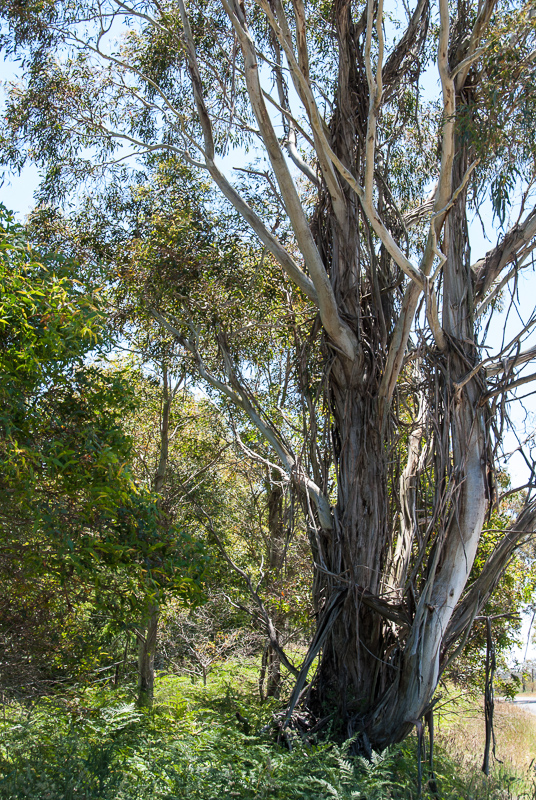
pixel 239 397
pixel 338 331
pixel 267 620
pixel 479 593
pixel 488 269
pixel 268 239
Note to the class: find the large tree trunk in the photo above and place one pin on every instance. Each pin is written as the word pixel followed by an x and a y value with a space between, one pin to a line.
pixel 349 558
pixel 462 493
pixel 380 674
pixel 350 673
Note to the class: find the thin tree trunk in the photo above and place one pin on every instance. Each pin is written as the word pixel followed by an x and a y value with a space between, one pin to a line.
pixel 146 653
pixel 149 628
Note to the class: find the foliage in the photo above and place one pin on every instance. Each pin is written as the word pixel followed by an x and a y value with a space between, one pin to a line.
pixel 160 243
pixel 76 528
pixel 63 451
pixel 97 745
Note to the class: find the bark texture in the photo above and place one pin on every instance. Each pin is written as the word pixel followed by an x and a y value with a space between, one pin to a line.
pixel 380 676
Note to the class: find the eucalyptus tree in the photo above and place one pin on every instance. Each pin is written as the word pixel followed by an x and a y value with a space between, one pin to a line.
pixel 177 449
pixel 360 196
pixel 159 234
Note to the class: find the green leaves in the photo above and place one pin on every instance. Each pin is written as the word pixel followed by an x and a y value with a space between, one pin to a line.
pixel 72 512
pixel 98 746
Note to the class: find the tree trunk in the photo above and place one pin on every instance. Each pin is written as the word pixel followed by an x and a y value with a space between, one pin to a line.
pixel 275 545
pixel 149 626
pixel 270 672
pixel 379 668
pixel 354 551
pixel 350 557
pixel 146 653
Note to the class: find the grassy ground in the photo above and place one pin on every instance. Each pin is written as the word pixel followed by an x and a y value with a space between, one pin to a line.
pixel 95 745
pixel 461 731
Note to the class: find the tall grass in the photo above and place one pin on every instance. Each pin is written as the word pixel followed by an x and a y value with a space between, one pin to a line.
pixel 460 729
pixel 190 746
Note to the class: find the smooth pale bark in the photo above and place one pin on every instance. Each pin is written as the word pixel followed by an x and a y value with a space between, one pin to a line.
pixel 520 531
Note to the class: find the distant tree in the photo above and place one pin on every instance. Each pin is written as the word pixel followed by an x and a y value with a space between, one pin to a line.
pixel 159 233
pixel 177 450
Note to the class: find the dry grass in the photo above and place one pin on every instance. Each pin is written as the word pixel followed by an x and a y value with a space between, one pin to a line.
pixel 461 731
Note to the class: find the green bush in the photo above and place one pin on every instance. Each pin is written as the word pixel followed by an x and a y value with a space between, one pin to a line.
pixel 190 746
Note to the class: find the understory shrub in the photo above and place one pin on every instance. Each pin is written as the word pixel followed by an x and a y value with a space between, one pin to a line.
pixel 190 746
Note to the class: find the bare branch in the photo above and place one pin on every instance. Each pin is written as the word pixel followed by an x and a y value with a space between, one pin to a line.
pixel 488 269
pixel 507 386
pixel 508 364
pixel 288 120
pixel 267 238
pixel 265 617
pixel 299 70
pixel 239 397
pixel 520 531
pixel 338 331
pixel 443 194
pixel 483 19
pixel 375 86
pixel 406 53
